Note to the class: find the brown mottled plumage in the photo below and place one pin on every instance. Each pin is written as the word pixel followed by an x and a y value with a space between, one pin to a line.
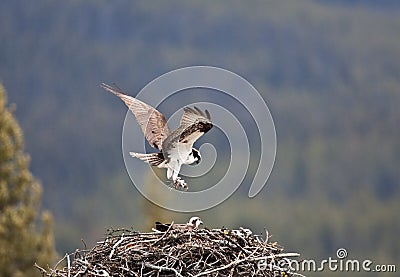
pixel 176 148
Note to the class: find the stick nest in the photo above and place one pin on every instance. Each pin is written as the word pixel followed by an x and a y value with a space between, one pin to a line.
pixel 203 252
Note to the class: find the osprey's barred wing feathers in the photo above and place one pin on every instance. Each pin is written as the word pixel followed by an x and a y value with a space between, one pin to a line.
pixel 153 123
pixel 153 159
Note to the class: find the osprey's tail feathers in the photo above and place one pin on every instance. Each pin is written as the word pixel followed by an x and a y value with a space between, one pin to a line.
pixel 153 159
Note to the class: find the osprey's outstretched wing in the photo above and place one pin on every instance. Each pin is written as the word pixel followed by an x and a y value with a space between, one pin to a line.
pixel 153 123
pixel 194 124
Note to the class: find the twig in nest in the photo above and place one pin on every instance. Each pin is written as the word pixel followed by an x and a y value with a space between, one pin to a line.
pixel 163 268
pixel 166 232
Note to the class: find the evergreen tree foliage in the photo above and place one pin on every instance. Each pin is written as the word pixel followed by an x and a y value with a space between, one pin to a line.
pixel 21 243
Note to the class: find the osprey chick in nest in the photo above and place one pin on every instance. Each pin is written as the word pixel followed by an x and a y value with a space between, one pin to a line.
pixel 193 224
pixel 176 148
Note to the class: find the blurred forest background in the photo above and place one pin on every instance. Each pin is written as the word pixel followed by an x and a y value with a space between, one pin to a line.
pixel 329 71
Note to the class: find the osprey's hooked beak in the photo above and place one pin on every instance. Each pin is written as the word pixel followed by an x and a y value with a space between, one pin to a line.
pixel 198 223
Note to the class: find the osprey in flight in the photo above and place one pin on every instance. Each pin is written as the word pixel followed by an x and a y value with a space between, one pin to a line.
pixel 176 148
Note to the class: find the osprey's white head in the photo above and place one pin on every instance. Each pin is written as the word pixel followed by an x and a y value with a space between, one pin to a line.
pixel 194 157
pixel 195 222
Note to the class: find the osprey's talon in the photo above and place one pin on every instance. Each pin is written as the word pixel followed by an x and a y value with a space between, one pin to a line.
pixel 180 183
